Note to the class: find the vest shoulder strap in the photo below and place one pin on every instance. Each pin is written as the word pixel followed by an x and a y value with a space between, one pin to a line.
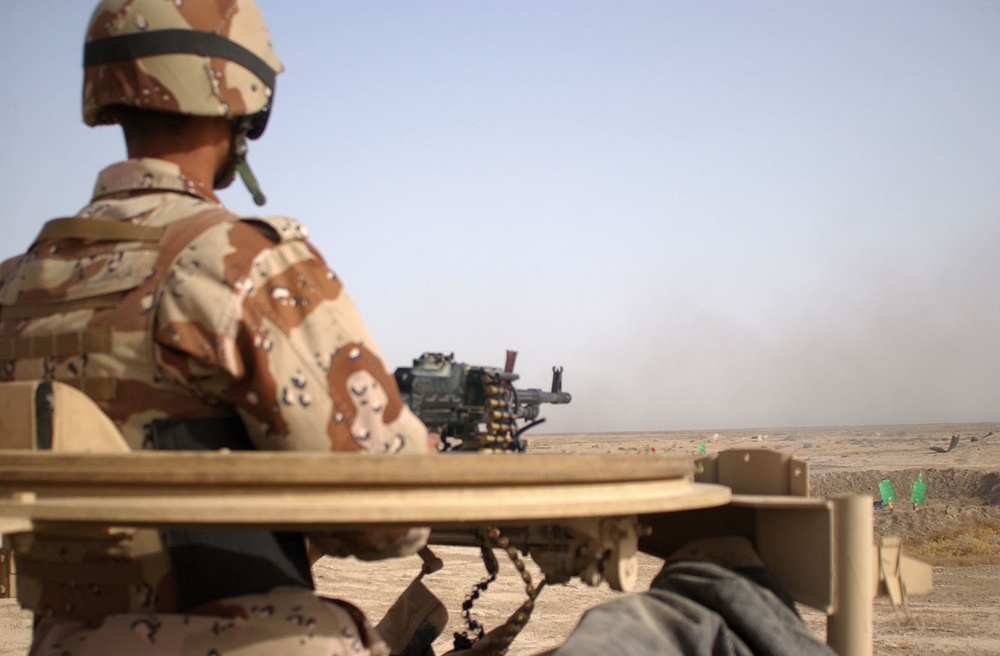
pixel 79 227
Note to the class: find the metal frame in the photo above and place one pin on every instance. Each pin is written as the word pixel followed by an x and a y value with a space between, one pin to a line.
pixel 821 550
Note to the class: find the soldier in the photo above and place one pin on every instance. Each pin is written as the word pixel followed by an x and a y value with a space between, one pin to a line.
pixel 193 328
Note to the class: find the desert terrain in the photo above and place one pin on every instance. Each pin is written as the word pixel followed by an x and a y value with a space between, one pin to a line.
pixel 957 529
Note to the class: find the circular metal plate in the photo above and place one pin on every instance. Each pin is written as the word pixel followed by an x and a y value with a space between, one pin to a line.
pixel 302 490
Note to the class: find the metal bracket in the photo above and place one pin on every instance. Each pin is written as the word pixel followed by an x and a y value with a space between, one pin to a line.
pixel 594 549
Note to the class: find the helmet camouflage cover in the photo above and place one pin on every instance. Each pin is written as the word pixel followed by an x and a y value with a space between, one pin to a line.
pixel 199 57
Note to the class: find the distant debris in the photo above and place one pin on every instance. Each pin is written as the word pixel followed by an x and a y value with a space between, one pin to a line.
pixel 976 438
pixel 954 442
pixel 955 439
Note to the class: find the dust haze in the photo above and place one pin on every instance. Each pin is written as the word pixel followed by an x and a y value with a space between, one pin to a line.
pixel 914 342
pixel 898 338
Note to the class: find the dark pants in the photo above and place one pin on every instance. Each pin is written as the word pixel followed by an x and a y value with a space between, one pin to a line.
pixel 697 608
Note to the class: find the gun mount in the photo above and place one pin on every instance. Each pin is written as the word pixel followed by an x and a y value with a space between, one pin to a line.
pixel 474 407
pixel 577 515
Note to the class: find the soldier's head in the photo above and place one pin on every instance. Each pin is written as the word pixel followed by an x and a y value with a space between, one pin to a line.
pixel 150 64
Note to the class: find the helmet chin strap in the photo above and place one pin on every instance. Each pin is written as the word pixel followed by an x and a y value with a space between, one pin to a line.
pixel 246 175
pixel 238 164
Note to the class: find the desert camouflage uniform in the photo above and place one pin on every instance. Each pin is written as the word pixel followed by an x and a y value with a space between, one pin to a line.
pixel 211 315
pixel 282 621
pixel 192 312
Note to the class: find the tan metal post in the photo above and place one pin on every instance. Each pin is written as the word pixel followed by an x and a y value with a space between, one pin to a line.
pixel 850 627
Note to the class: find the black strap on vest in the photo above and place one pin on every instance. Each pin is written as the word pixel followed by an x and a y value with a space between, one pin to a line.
pixel 43 416
pixel 214 564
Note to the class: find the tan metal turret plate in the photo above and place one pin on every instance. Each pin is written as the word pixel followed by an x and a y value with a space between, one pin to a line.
pixel 303 490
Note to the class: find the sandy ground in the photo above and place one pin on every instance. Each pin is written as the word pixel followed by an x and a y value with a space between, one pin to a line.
pixel 961 615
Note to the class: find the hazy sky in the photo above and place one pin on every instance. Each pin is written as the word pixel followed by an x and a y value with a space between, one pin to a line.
pixel 712 214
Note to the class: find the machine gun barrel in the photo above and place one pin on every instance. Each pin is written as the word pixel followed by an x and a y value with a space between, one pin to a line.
pixel 537 396
pixel 529 400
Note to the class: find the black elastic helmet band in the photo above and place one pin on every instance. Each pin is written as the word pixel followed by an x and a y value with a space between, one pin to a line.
pixel 175 42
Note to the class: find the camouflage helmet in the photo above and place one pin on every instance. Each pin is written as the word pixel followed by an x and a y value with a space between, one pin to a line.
pixel 199 57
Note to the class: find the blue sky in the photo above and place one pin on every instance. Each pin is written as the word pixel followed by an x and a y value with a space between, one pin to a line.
pixel 714 214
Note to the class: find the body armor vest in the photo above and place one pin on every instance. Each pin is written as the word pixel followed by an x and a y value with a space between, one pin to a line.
pixel 87 292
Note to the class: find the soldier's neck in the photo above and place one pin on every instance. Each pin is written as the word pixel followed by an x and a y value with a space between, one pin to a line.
pixel 201 149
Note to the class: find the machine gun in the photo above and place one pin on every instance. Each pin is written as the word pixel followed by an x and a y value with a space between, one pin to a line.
pixel 472 407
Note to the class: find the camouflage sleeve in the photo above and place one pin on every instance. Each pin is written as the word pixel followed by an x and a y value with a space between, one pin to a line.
pixel 7 268
pixel 281 341
pixel 252 316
